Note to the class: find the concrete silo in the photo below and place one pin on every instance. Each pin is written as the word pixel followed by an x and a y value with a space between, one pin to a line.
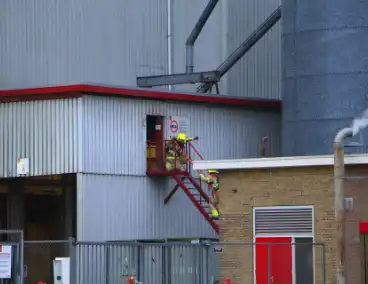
pixel 325 65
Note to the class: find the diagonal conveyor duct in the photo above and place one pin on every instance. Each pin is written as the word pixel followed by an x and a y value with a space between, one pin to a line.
pixel 244 48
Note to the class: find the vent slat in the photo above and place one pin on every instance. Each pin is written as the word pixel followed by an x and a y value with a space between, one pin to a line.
pixel 284 220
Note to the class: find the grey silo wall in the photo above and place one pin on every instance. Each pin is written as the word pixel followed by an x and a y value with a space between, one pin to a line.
pixel 325 71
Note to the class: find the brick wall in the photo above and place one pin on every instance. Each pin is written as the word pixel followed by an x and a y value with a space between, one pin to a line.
pixel 243 190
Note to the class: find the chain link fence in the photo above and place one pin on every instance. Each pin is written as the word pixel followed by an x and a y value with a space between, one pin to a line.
pixel 301 261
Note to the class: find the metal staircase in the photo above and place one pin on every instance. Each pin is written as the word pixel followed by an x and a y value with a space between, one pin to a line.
pixel 186 178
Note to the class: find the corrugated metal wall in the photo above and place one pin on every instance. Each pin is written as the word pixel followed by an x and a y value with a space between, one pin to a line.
pixel 258 73
pixel 120 148
pixel 72 41
pixel 46 132
pixel 113 207
pixel 114 192
pixel 113 41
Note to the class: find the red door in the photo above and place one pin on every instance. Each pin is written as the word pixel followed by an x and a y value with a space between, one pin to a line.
pixel 280 261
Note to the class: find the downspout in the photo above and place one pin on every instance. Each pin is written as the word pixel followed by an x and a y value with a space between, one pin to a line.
pixel 169 40
pixel 195 33
pixel 339 174
pixel 263 146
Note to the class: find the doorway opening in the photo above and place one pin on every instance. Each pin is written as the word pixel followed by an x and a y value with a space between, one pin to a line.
pixel 44 207
pixel 155 143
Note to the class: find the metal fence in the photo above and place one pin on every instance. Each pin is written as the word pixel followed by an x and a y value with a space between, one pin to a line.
pixel 115 262
pixel 172 263
pixel 300 261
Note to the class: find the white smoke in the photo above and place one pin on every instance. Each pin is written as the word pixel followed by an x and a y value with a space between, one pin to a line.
pixel 360 122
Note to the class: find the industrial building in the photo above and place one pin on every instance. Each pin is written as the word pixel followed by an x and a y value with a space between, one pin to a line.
pixel 90 154
pixel 81 159
pixel 88 146
pixel 291 200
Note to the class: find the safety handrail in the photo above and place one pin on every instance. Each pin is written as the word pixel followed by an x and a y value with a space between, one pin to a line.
pixel 196 151
pixel 201 172
pixel 198 171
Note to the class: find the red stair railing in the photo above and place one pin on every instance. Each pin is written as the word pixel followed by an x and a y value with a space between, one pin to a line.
pixel 156 165
pixel 189 147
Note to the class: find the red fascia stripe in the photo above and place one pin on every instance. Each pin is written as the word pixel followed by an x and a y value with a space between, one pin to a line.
pixel 62 91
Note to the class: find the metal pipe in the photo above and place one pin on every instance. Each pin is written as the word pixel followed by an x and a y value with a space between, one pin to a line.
pixel 339 173
pixel 263 146
pixel 195 33
pixel 169 40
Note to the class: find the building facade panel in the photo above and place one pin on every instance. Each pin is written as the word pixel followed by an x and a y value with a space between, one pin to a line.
pixel 45 132
pixel 115 132
pixel 297 186
pixel 68 42
pixel 113 42
pixel 117 207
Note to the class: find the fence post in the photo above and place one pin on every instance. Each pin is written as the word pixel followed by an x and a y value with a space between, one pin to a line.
pixel 139 263
pixel 107 263
pixel 268 263
pixel 21 257
pixel 73 260
pixel 323 264
pixel 207 264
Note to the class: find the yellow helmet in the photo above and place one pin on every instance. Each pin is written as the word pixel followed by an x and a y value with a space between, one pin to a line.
pixel 213 172
pixel 181 137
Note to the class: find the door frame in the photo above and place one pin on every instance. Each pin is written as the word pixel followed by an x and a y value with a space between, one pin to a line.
pixel 291 235
pixel 163 123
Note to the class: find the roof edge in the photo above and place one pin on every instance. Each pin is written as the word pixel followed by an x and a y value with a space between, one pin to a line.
pixel 278 162
pixel 55 91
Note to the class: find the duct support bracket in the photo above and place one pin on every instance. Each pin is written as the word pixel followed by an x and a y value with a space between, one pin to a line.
pixel 178 79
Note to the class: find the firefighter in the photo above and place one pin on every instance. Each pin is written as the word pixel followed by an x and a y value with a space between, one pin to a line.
pixel 213 180
pixel 175 157
pixel 182 139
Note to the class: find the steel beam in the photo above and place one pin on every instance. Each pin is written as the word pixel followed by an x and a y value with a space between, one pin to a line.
pixel 244 48
pixel 178 79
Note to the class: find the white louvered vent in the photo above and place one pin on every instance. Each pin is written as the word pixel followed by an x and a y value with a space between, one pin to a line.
pixel 283 220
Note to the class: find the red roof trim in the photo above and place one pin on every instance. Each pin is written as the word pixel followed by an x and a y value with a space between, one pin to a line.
pixel 70 91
